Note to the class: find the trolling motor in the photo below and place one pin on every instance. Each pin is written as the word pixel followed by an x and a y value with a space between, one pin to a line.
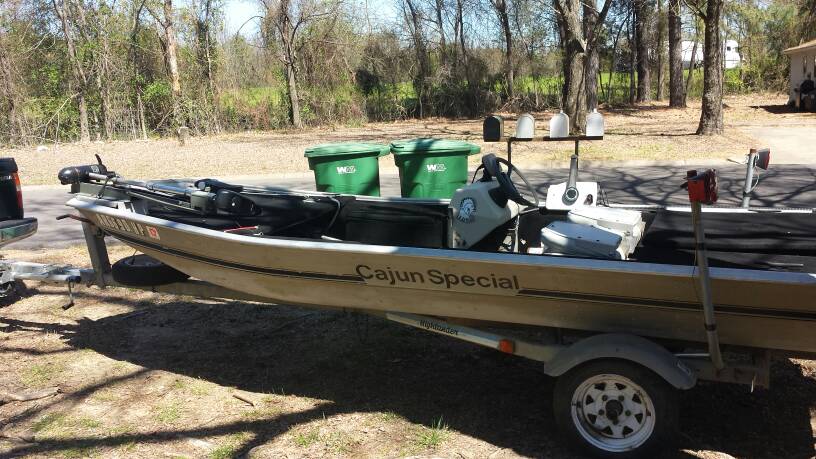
pixel 206 197
pixel 74 175
pixel 703 189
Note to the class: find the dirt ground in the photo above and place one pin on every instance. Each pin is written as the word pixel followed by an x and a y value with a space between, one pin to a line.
pixel 649 132
pixel 149 376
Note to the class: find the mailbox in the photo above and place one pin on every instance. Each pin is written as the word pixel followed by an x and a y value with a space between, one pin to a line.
pixel 493 128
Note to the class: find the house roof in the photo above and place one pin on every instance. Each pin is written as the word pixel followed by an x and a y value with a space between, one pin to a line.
pixel 806 46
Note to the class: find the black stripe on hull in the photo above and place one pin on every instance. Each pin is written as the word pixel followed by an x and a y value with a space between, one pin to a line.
pixel 655 303
pixel 238 266
pixel 549 294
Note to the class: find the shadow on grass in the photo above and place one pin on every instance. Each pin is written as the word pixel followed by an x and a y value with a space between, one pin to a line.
pixel 365 364
pixel 777 109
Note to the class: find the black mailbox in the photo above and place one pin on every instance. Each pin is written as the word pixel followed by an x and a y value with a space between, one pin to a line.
pixel 493 128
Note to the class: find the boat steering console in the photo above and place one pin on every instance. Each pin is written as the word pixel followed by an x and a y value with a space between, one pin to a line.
pixel 492 166
pixel 479 208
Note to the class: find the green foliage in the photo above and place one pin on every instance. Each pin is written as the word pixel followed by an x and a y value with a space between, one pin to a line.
pixel 434 436
pixel 347 71
pixel 305 439
pixel 255 108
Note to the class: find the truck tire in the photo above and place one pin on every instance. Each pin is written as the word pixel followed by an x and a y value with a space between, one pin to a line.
pixel 144 271
pixel 614 408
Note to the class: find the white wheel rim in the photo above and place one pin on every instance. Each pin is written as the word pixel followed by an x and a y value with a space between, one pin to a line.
pixel 613 413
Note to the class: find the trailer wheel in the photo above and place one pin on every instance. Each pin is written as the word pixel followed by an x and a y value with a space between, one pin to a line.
pixel 11 292
pixel 615 409
pixel 143 270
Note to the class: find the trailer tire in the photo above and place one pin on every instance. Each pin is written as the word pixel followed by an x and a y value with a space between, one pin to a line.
pixel 10 292
pixel 144 270
pixel 614 408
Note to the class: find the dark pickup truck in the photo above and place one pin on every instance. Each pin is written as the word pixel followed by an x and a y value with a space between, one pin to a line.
pixel 13 225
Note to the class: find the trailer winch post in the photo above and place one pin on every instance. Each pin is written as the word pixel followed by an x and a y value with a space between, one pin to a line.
pixel 98 253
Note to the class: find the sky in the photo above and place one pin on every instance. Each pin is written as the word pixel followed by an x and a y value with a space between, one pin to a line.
pixel 238 12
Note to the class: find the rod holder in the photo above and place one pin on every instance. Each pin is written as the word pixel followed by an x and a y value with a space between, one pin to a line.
pixel 571 192
pixel 749 177
pixel 704 281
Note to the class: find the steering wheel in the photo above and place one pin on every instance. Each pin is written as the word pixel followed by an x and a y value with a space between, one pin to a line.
pixel 493 168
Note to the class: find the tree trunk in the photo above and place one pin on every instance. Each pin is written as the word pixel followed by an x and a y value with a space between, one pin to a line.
pixel 661 52
pixel 135 78
pixel 172 60
pixel 459 37
pixel 633 52
pixel 592 61
pixel 504 19
pixel 573 94
pixel 140 108
pixel 85 133
pixel 692 65
pixel 614 62
pixel 443 47
pixel 103 84
pixel 460 20
pixel 16 126
pixel 711 117
pixel 205 61
pixel 677 96
pixel 289 58
pixel 294 102
pixel 644 77
pixel 420 80
pixel 80 79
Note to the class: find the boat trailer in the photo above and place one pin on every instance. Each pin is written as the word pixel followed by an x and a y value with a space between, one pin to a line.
pixel 559 350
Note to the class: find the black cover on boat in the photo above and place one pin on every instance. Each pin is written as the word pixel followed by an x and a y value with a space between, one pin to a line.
pixel 407 225
pixel 737 260
pixel 773 233
pixel 278 215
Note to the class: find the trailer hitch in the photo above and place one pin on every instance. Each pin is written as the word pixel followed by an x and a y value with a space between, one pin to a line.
pixel 70 302
pixel 73 217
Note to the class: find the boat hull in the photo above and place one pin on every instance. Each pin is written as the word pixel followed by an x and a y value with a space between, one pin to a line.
pixel 762 309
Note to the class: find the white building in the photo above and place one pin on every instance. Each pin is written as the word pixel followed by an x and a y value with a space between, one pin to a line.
pixel 803 65
pixel 731 57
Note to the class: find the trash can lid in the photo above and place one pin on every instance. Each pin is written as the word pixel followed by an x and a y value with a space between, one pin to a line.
pixel 414 146
pixel 345 149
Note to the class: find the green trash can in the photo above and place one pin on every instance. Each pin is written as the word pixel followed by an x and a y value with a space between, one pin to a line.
pixel 432 168
pixel 350 168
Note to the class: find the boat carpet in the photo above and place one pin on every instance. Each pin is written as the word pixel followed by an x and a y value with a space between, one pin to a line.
pixel 770 233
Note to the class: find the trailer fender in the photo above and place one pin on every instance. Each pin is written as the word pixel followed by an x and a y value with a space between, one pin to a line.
pixel 625 347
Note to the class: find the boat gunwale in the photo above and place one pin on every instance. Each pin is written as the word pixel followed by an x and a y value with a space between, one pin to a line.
pixel 93 204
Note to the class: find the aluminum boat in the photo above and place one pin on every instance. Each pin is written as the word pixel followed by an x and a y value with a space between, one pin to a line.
pixel 491 253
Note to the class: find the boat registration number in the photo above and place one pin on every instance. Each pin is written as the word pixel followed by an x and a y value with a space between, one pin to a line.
pixel 120 224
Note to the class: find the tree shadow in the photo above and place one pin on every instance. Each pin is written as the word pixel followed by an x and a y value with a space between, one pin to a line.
pixel 781 186
pixel 360 364
pixel 634 110
pixel 777 109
